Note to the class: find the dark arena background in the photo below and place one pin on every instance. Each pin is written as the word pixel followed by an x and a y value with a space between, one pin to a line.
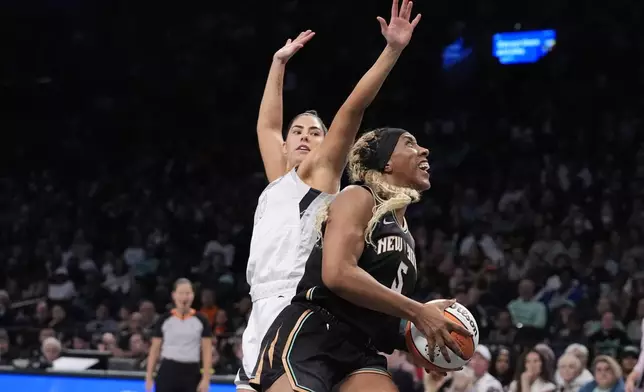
pixel 129 159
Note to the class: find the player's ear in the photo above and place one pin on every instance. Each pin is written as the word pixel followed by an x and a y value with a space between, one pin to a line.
pixel 284 150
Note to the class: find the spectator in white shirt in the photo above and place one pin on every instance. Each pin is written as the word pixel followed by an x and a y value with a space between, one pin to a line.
pixel 480 364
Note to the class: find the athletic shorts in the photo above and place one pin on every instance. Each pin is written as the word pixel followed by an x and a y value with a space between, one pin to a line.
pixel 264 311
pixel 315 350
pixel 174 376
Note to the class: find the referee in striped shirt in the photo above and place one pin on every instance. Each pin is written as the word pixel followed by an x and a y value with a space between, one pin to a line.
pixel 181 338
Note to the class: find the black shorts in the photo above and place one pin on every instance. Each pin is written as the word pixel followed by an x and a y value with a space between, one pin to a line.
pixel 315 351
pixel 176 376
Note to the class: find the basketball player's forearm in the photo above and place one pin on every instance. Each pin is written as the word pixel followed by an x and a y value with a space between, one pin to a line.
pixel 270 110
pixel 367 88
pixel 358 287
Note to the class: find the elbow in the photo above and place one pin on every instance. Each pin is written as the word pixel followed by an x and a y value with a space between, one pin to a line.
pixel 333 278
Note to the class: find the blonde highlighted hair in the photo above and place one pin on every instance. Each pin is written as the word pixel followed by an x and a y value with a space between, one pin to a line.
pixel 388 197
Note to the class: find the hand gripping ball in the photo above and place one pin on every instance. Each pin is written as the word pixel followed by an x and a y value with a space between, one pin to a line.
pixel 417 342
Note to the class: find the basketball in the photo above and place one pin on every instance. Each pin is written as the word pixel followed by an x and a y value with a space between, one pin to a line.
pixel 417 343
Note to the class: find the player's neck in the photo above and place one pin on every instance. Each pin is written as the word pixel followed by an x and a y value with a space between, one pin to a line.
pixel 400 214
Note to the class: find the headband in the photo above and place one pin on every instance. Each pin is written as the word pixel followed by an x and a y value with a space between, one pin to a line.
pixel 379 149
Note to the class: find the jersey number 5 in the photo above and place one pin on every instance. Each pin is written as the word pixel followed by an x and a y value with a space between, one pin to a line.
pixel 398 280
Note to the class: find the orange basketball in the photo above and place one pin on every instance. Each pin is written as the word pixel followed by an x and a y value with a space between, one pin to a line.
pixel 417 342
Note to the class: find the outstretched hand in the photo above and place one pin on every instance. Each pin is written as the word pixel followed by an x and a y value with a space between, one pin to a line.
pixel 292 46
pixel 399 30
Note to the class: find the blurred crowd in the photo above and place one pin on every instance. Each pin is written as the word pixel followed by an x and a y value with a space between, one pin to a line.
pixel 148 171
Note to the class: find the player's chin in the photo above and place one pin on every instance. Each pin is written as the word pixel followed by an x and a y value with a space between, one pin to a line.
pixel 298 156
pixel 422 182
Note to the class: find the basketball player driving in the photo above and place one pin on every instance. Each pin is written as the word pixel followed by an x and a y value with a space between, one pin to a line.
pixel 304 171
pixel 331 333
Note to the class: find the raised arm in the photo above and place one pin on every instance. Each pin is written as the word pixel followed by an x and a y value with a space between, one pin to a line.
pixel 343 244
pixel 269 123
pixel 328 161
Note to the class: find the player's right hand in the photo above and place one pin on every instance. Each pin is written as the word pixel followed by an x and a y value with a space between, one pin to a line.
pixel 629 385
pixel 431 321
pixel 149 384
pixel 292 46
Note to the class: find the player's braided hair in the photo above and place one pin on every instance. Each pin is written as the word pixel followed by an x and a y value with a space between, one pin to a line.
pixel 387 197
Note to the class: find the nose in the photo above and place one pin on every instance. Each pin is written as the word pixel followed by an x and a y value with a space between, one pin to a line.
pixel 304 137
pixel 423 152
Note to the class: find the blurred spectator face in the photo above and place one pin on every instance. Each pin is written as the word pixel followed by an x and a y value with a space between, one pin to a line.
pixel 78 343
pixel 207 298
pixel 526 289
pixel 46 333
pixel 603 305
pixel 533 363
pixel 135 322
pixel 108 341
pixel 221 317
pixel 628 363
pixel 569 367
pixel 42 311
pixel 608 321
pixel 102 313
pixel 148 311
pixel 51 349
pixel 58 313
pixel 124 313
pixel 183 296
pixel 479 364
pixel 577 352
pixel 564 312
pixel 502 364
pixel 504 320
pixel 306 134
pixel 137 344
pixel 604 375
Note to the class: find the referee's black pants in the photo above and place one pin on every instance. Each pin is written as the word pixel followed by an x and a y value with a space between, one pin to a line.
pixel 176 376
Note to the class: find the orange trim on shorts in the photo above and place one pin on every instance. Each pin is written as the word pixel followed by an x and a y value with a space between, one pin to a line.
pixel 258 374
pixel 271 348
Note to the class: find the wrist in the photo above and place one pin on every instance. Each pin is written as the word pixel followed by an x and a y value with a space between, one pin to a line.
pixel 394 50
pixel 279 61
pixel 413 311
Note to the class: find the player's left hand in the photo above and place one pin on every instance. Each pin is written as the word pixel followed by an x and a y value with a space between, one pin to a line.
pixel 204 385
pixel 399 30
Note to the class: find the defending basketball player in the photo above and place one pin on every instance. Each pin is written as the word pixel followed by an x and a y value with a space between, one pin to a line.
pixel 305 172
pixel 357 281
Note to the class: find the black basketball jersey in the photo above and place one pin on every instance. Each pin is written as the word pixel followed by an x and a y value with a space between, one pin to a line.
pixel 391 261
